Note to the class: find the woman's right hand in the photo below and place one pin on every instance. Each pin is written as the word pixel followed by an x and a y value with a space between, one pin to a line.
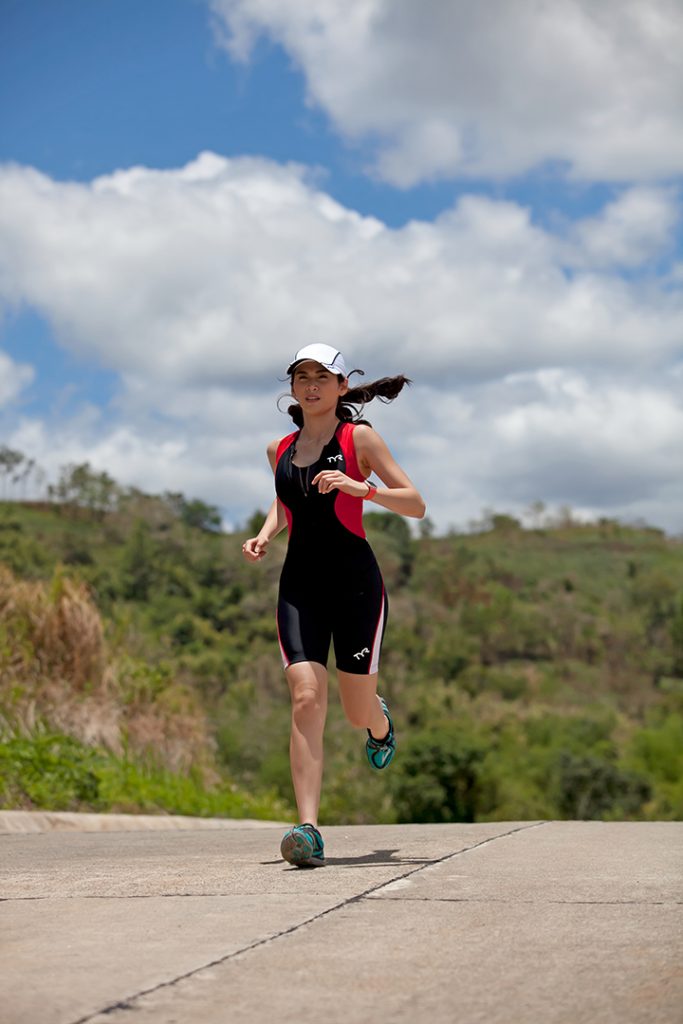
pixel 255 549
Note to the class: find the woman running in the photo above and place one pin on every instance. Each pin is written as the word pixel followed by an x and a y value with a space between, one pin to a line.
pixel 331 586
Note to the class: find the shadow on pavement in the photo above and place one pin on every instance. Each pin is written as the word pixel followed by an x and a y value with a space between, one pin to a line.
pixel 379 857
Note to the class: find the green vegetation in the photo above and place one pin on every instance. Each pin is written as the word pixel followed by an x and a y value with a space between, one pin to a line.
pixel 532 673
pixel 57 772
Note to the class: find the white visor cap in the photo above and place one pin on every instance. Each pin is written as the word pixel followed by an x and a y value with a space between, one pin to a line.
pixel 328 356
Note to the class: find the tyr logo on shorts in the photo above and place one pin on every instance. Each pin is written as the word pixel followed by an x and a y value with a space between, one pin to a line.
pixel 361 654
pixel 335 458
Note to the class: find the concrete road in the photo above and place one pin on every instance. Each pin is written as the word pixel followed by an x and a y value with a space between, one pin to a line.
pixel 532 922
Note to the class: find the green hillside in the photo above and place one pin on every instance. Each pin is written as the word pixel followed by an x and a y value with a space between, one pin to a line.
pixel 532 673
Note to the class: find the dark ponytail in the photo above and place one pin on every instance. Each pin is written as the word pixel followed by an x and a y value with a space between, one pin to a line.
pixel 350 406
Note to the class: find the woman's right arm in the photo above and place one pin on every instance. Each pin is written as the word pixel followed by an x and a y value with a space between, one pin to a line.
pixel 256 548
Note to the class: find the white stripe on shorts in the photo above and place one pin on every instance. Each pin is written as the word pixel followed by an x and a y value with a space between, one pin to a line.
pixel 377 642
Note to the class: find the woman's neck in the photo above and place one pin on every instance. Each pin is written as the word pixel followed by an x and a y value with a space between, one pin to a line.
pixel 317 429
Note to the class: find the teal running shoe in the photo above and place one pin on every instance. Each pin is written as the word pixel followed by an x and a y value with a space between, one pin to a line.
pixel 381 752
pixel 303 846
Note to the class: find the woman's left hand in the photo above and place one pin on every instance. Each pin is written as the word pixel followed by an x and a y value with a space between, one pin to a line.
pixel 333 480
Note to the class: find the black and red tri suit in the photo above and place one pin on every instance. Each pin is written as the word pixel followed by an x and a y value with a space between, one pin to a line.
pixel 331 586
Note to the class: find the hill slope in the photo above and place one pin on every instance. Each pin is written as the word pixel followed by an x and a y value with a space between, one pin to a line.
pixel 533 673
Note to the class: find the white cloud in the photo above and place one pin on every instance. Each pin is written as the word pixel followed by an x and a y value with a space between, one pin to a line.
pixel 196 285
pixel 490 89
pixel 637 227
pixel 212 274
pixel 555 436
pixel 228 470
pixel 592 442
pixel 14 377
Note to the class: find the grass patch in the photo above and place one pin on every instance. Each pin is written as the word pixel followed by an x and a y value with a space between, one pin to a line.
pixel 52 771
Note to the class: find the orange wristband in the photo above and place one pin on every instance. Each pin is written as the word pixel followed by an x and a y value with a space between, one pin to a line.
pixel 372 491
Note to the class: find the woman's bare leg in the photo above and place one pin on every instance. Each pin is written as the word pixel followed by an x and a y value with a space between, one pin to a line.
pixel 361 703
pixel 308 689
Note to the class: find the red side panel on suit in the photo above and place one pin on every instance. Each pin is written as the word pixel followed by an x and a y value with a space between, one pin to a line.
pixel 282 447
pixel 349 510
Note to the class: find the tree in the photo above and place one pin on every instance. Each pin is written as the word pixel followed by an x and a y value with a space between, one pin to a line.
pixel 426 528
pixel 504 523
pixel 10 460
pixel 397 532
pixel 80 485
pixel 439 776
pixel 677 640
pixel 202 516
pixel 591 787
pixel 138 568
pixel 22 474
pixel 194 512
pixel 536 514
pixel 254 522
pixel 490 520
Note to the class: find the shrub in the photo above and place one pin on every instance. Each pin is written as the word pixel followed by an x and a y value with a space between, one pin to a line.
pixel 437 778
pixel 590 787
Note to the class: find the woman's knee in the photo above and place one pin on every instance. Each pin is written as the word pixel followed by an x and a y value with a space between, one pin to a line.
pixel 308 690
pixel 307 701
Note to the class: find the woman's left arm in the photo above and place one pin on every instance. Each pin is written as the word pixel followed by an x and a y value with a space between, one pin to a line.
pixel 399 493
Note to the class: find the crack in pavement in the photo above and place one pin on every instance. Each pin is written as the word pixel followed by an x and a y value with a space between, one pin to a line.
pixel 365 896
pixel 162 895
pixel 127 1002
pixel 533 903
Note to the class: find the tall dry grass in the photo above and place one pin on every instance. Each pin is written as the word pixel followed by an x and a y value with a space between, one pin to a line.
pixel 56 672
pixel 53 632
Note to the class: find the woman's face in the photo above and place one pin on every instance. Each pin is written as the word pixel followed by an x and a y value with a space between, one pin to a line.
pixel 315 388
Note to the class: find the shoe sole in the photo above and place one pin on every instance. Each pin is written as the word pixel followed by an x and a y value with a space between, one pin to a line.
pixel 295 852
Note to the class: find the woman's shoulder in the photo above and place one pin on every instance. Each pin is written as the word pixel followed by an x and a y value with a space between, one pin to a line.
pixel 278 446
pixel 282 442
pixel 364 435
pixel 358 431
pixel 361 430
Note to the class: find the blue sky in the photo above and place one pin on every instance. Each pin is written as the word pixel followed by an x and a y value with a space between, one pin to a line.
pixel 83 83
pixel 502 218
